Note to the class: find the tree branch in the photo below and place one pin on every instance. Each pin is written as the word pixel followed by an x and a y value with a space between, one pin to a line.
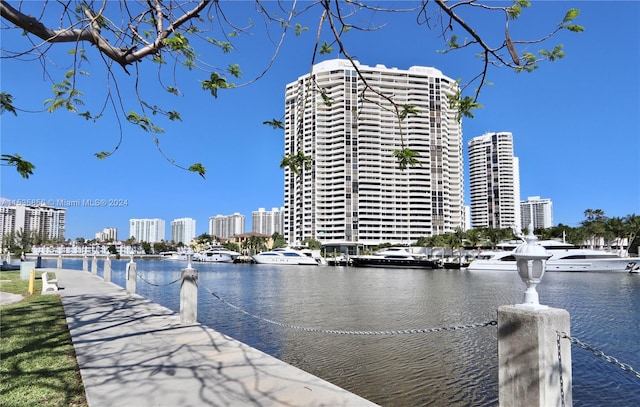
pixel 92 35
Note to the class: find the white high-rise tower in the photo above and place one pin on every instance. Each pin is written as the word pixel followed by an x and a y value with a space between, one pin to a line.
pixel 147 230
pixel 494 181
pixel 355 191
pixel 537 211
pixel 183 230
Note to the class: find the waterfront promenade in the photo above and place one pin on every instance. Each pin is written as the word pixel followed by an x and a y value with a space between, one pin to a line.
pixel 134 352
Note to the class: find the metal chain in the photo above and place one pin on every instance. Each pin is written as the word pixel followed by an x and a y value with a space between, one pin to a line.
pixel 157 285
pixel 601 354
pixel 560 367
pixel 344 332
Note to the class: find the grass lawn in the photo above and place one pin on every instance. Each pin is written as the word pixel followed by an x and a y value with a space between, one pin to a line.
pixel 38 365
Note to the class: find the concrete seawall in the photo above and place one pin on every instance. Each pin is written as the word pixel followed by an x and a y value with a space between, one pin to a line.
pixel 134 352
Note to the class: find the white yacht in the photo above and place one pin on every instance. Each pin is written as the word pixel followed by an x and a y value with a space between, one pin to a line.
pixel 173 255
pixel 564 257
pixel 285 256
pixel 216 254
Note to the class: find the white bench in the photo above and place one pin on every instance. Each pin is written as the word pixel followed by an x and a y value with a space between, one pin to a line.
pixel 48 283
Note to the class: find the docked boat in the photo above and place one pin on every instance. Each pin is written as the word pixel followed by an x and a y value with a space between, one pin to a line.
pixel 394 257
pixel 217 254
pixel 173 255
pixel 564 257
pixel 286 256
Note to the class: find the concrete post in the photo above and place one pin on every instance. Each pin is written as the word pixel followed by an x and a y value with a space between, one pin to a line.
pixel 85 263
pixel 59 265
pixel 189 295
pixel 531 367
pixel 107 269
pixel 94 264
pixel 131 277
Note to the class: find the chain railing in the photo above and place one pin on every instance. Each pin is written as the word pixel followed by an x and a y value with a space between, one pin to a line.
pixel 139 275
pixel 599 353
pixel 348 332
pixel 562 395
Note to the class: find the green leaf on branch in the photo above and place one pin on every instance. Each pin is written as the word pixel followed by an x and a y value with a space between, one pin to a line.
pixel 516 10
pixel 554 54
pixel 407 110
pixel 179 43
pixel 325 98
pixel 235 70
pixel 275 124
pixel 102 155
pixel 199 168
pixel 464 106
pixel 65 95
pixel 6 103
pixel 571 15
pixel 144 123
pixel 300 29
pixel 453 42
pixel 296 162
pixel 24 167
pixel 574 28
pixel 173 115
pixel 214 83
pixel 407 158
pixel 325 48
pixel 86 115
pixel 225 46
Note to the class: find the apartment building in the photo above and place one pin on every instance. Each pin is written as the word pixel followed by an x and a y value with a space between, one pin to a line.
pixel 107 235
pixel 268 222
pixel 226 226
pixel 46 222
pixel 537 211
pixel 494 181
pixel 183 230
pixel 355 191
pixel 147 230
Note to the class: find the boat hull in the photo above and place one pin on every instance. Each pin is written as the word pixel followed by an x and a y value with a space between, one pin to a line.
pixel 216 255
pixel 452 265
pixel 296 261
pixel 577 265
pixel 393 263
pixel 217 258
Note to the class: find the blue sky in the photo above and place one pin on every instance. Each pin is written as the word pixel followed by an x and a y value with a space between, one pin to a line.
pixel 575 122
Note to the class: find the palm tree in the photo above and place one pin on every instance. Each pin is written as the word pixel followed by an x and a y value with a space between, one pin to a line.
pixel 577 236
pixel 614 230
pixel 255 244
pixel 473 237
pixel 594 224
pixel 278 240
pixel 495 235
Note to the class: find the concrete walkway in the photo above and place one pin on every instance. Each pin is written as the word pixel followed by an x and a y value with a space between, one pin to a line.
pixel 133 352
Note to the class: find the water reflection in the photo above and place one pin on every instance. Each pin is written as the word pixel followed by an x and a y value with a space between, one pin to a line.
pixel 454 368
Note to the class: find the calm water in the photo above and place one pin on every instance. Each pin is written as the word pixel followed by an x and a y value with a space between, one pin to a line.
pixel 455 368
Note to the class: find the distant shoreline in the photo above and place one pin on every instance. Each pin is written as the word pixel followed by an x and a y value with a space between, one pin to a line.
pixel 33 256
